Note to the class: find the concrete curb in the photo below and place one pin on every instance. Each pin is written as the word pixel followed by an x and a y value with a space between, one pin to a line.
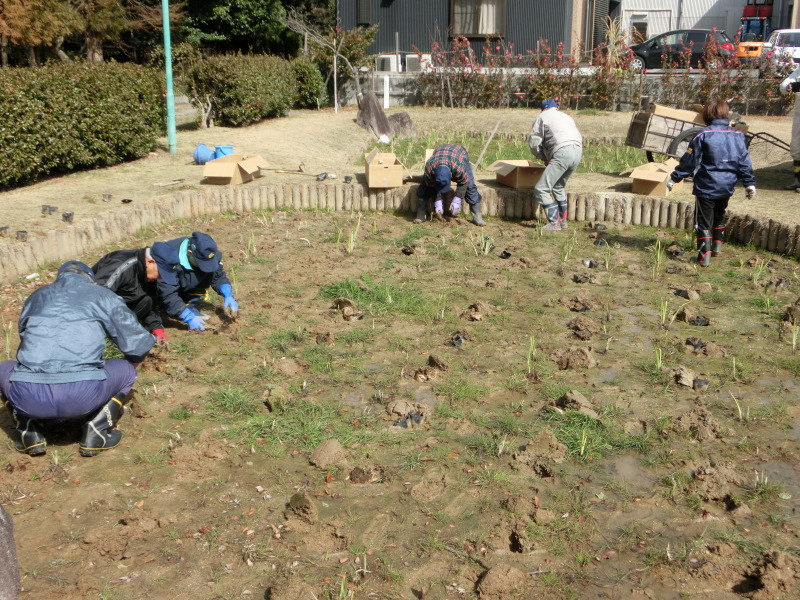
pixel 18 259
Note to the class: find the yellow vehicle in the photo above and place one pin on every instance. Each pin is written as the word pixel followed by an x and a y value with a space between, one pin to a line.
pixel 756 26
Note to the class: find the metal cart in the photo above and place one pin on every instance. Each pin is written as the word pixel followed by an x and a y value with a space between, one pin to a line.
pixel 661 134
pixel 668 134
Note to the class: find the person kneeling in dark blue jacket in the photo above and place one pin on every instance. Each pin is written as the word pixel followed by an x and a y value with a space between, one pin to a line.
pixel 60 372
pixel 199 268
pixel 717 158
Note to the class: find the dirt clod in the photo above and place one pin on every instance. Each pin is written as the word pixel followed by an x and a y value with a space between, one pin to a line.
pixel 574 358
pixel 682 376
pixel 574 400
pixel 501 581
pixel 583 328
pixel 702 425
pixel 541 452
pixel 303 507
pixel 329 453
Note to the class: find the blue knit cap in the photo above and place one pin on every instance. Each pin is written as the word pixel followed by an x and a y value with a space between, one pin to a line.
pixel 442 177
pixel 549 103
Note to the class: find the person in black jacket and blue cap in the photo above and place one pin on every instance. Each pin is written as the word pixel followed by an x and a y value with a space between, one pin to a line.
pixel 132 275
pixel 200 267
pixel 717 159
pixel 60 372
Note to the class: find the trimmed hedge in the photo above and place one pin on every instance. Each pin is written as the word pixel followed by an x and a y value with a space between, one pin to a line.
pixel 66 117
pixel 311 92
pixel 243 89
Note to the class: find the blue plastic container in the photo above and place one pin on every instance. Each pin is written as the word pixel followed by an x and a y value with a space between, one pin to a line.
pixel 220 151
pixel 203 154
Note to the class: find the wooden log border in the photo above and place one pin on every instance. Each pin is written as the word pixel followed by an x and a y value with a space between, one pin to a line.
pixel 19 259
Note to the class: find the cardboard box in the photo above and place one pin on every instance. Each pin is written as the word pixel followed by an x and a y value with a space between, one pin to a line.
pixel 383 169
pixel 651 179
pixel 520 174
pixel 677 113
pixel 233 169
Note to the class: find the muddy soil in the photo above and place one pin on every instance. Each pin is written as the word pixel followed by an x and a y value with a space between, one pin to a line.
pixel 438 423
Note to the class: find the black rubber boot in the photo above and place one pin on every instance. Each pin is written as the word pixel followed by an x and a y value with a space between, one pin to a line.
pixel 716 243
pixel 31 440
pixel 704 248
pixel 477 217
pixel 98 433
pixel 421 210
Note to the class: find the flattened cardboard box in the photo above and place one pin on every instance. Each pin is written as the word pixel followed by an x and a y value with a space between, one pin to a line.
pixel 520 174
pixel 677 113
pixel 651 179
pixel 383 169
pixel 234 169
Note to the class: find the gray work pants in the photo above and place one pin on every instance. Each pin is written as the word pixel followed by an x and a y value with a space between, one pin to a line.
pixel 549 190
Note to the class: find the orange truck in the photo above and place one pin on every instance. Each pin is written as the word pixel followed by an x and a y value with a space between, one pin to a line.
pixel 755 28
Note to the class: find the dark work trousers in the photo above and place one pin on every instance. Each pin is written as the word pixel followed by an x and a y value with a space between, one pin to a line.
pixel 142 310
pixel 709 215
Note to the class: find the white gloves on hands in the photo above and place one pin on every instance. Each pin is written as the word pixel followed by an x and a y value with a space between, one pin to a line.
pixel 670 183
pixel 750 192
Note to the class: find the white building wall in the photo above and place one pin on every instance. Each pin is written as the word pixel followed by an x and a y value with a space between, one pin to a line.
pixel 663 15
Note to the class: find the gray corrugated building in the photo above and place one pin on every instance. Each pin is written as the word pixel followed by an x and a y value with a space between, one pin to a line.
pixel 408 26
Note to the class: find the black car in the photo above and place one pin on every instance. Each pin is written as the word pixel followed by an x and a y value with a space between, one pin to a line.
pixel 674 46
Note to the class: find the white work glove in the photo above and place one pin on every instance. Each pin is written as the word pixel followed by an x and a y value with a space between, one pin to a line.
pixel 750 192
pixel 670 183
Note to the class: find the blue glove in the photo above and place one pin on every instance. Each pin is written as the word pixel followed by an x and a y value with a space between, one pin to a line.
pixel 195 311
pixel 194 321
pixel 228 302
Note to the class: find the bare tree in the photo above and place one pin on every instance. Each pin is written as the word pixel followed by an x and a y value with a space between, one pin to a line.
pixel 297 24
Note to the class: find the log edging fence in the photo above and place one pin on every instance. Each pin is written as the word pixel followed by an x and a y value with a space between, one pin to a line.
pixel 20 258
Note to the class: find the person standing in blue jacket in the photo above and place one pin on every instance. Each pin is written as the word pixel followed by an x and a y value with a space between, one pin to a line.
pixel 200 268
pixel 717 158
pixel 60 372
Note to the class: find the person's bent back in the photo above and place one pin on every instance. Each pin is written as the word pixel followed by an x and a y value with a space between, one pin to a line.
pixel 60 372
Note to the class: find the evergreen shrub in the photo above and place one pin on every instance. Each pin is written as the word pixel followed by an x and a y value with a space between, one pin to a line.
pixel 242 89
pixel 66 117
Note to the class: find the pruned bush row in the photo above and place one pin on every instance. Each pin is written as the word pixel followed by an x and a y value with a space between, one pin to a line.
pixel 67 117
pixel 238 90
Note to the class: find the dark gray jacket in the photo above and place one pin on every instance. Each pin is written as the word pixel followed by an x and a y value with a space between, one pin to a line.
pixel 63 329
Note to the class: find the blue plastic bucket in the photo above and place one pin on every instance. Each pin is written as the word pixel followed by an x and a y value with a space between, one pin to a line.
pixel 203 154
pixel 222 151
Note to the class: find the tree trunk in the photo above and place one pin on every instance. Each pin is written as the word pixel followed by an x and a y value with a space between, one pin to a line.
pixel 31 56
pixel 335 83
pixel 60 54
pixel 94 48
pixel 3 50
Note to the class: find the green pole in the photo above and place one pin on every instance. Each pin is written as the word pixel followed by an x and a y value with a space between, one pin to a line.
pixel 171 135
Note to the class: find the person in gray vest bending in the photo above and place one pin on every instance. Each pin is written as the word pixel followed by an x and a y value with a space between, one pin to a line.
pixel 556 141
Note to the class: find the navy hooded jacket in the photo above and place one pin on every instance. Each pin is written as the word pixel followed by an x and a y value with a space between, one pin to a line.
pixel 717 158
